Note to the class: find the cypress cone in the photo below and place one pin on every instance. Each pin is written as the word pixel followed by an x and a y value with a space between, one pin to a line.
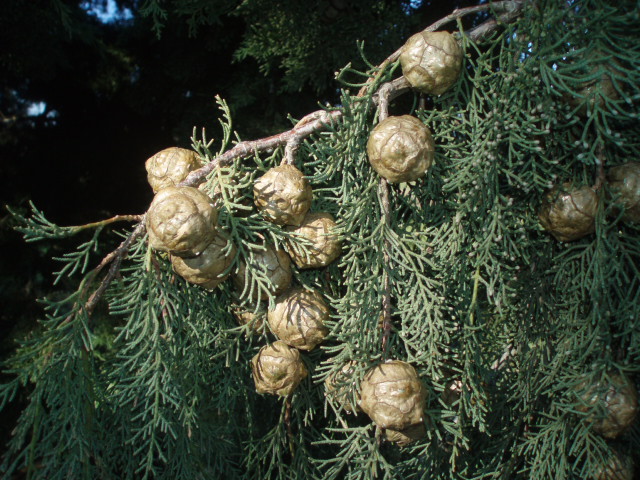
pixel 624 180
pixel 283 195
pixel 431 61
pixel 325 246
pixel 277 369
pixel 568 213
pixel 207 269
pixel 170 166
pixel 393 395
pixel 182 221
pixel 298 318
pixel 616 400
pixel 401 149
pixel 275 264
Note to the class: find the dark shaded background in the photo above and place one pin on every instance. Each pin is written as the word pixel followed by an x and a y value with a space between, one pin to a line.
pixel 84 101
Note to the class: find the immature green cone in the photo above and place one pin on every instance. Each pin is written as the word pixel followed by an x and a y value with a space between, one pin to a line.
pixel 340 385
pixel 617 467
pixel 625 181
pixel 431 61
pixel 617 401
pixel 275 264
pixel 181 220
pixel 277 369
pixel 207 269
pixel 401 149
pixel 283 195
pixel 325 246
pixel 393 395
pixel 406 436
pixel 569 213
pixel 170 166
pixel 298 318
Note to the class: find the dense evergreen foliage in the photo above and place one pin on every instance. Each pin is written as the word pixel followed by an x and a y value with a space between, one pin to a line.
pixel 509 328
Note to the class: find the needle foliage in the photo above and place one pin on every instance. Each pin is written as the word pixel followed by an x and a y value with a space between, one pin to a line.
pixel 503 322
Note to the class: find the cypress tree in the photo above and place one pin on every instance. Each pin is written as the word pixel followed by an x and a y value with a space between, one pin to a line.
pixel 482 319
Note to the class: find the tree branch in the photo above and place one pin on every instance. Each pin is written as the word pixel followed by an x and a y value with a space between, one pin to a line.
pixel 291 139
pixel 383 189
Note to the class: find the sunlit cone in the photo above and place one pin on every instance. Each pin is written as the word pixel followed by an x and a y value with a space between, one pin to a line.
pixel 393 396
pixel 431 61
pixel 318 229
pixel 171 166
pixel 181 220
pixel 298 318
pixel 283 195
pixel 207 269
pixel 277 369
pixel 401 149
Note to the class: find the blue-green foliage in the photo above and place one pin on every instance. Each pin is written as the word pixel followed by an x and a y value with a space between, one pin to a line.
pixel 483 299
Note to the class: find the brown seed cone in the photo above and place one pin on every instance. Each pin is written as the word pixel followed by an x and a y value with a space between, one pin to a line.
pixel 181 220
pixel 401 149
pixel 246 317
pixel 283 195
pixel 568 213
pixel 170 166
pixel 625 181
pixel 594 92
pixel 276 265
pixel 339 387
pixel 431 61
pixel 298 318
pixel 616 400
pixel 617 467
pixel 277 369
pixel 406 436
pixel 207 269
pixel 393 395
pixel 325 245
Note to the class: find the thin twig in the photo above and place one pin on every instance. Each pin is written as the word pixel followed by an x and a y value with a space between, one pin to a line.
pixel 108 221
pixel 116 257
pixel 290 151
pixel 250 147
pixel 287 422
pixel 383 189
pixel 600 175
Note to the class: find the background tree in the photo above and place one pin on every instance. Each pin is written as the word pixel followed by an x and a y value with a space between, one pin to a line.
pixel 517 334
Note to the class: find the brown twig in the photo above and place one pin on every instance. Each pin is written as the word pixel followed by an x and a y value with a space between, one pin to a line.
pixel 243 149
pixel 383 189
pixel 108 221
pixel 600 175
pixel 291 150
pixel 287 422
pixel 115 258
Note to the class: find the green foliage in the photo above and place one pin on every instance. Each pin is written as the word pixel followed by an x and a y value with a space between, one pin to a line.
pixel 483 300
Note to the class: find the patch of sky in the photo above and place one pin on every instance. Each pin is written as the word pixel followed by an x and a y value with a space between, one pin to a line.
pixel 409 7
pixel 106 11
pixel 36 109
